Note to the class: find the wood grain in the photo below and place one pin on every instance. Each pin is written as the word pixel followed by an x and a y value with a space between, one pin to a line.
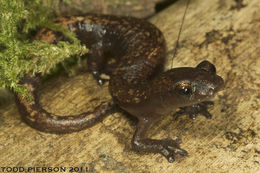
pixel 216 30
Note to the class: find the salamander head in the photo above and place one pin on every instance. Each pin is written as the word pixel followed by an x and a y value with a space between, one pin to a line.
pixel 191 85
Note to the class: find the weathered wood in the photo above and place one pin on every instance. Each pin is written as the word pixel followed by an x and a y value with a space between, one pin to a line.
pixel 213 30
pixel 137 8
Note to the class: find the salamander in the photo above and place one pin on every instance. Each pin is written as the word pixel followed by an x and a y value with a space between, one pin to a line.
pixel 132 52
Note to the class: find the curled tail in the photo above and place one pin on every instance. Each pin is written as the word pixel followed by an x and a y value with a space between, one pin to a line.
pixel 38 118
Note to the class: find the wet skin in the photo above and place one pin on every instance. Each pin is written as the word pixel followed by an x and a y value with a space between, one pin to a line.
pixel 137 83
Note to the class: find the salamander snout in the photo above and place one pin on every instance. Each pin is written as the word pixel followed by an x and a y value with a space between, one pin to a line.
pixel 219 83
pixel 208 85
pixel 212 82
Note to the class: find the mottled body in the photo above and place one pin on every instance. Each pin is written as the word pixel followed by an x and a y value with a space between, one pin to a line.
pixel 132 52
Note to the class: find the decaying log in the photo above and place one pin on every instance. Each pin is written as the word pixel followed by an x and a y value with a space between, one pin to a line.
pixel 221 31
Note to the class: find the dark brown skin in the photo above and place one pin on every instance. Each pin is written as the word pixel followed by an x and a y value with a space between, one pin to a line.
pixel 137 83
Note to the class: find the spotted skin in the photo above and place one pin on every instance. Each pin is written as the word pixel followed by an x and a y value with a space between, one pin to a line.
pixel 132 52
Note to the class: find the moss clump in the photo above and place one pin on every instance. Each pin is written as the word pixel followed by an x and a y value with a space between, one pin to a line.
pixel 19 54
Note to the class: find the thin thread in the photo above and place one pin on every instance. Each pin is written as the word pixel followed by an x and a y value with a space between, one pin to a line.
pixel 179 34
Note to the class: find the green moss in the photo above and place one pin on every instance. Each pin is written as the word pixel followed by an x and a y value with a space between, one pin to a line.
pixel 19 54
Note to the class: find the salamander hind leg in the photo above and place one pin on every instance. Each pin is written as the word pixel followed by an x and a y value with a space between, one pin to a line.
pixel 96 63
pixel 166 147
pixel 102 60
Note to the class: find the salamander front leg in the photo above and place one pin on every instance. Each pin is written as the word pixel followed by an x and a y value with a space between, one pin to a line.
pixel 167 147
pixel 194 110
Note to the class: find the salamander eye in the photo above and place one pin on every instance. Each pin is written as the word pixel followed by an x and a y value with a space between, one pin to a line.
pixel 184 89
